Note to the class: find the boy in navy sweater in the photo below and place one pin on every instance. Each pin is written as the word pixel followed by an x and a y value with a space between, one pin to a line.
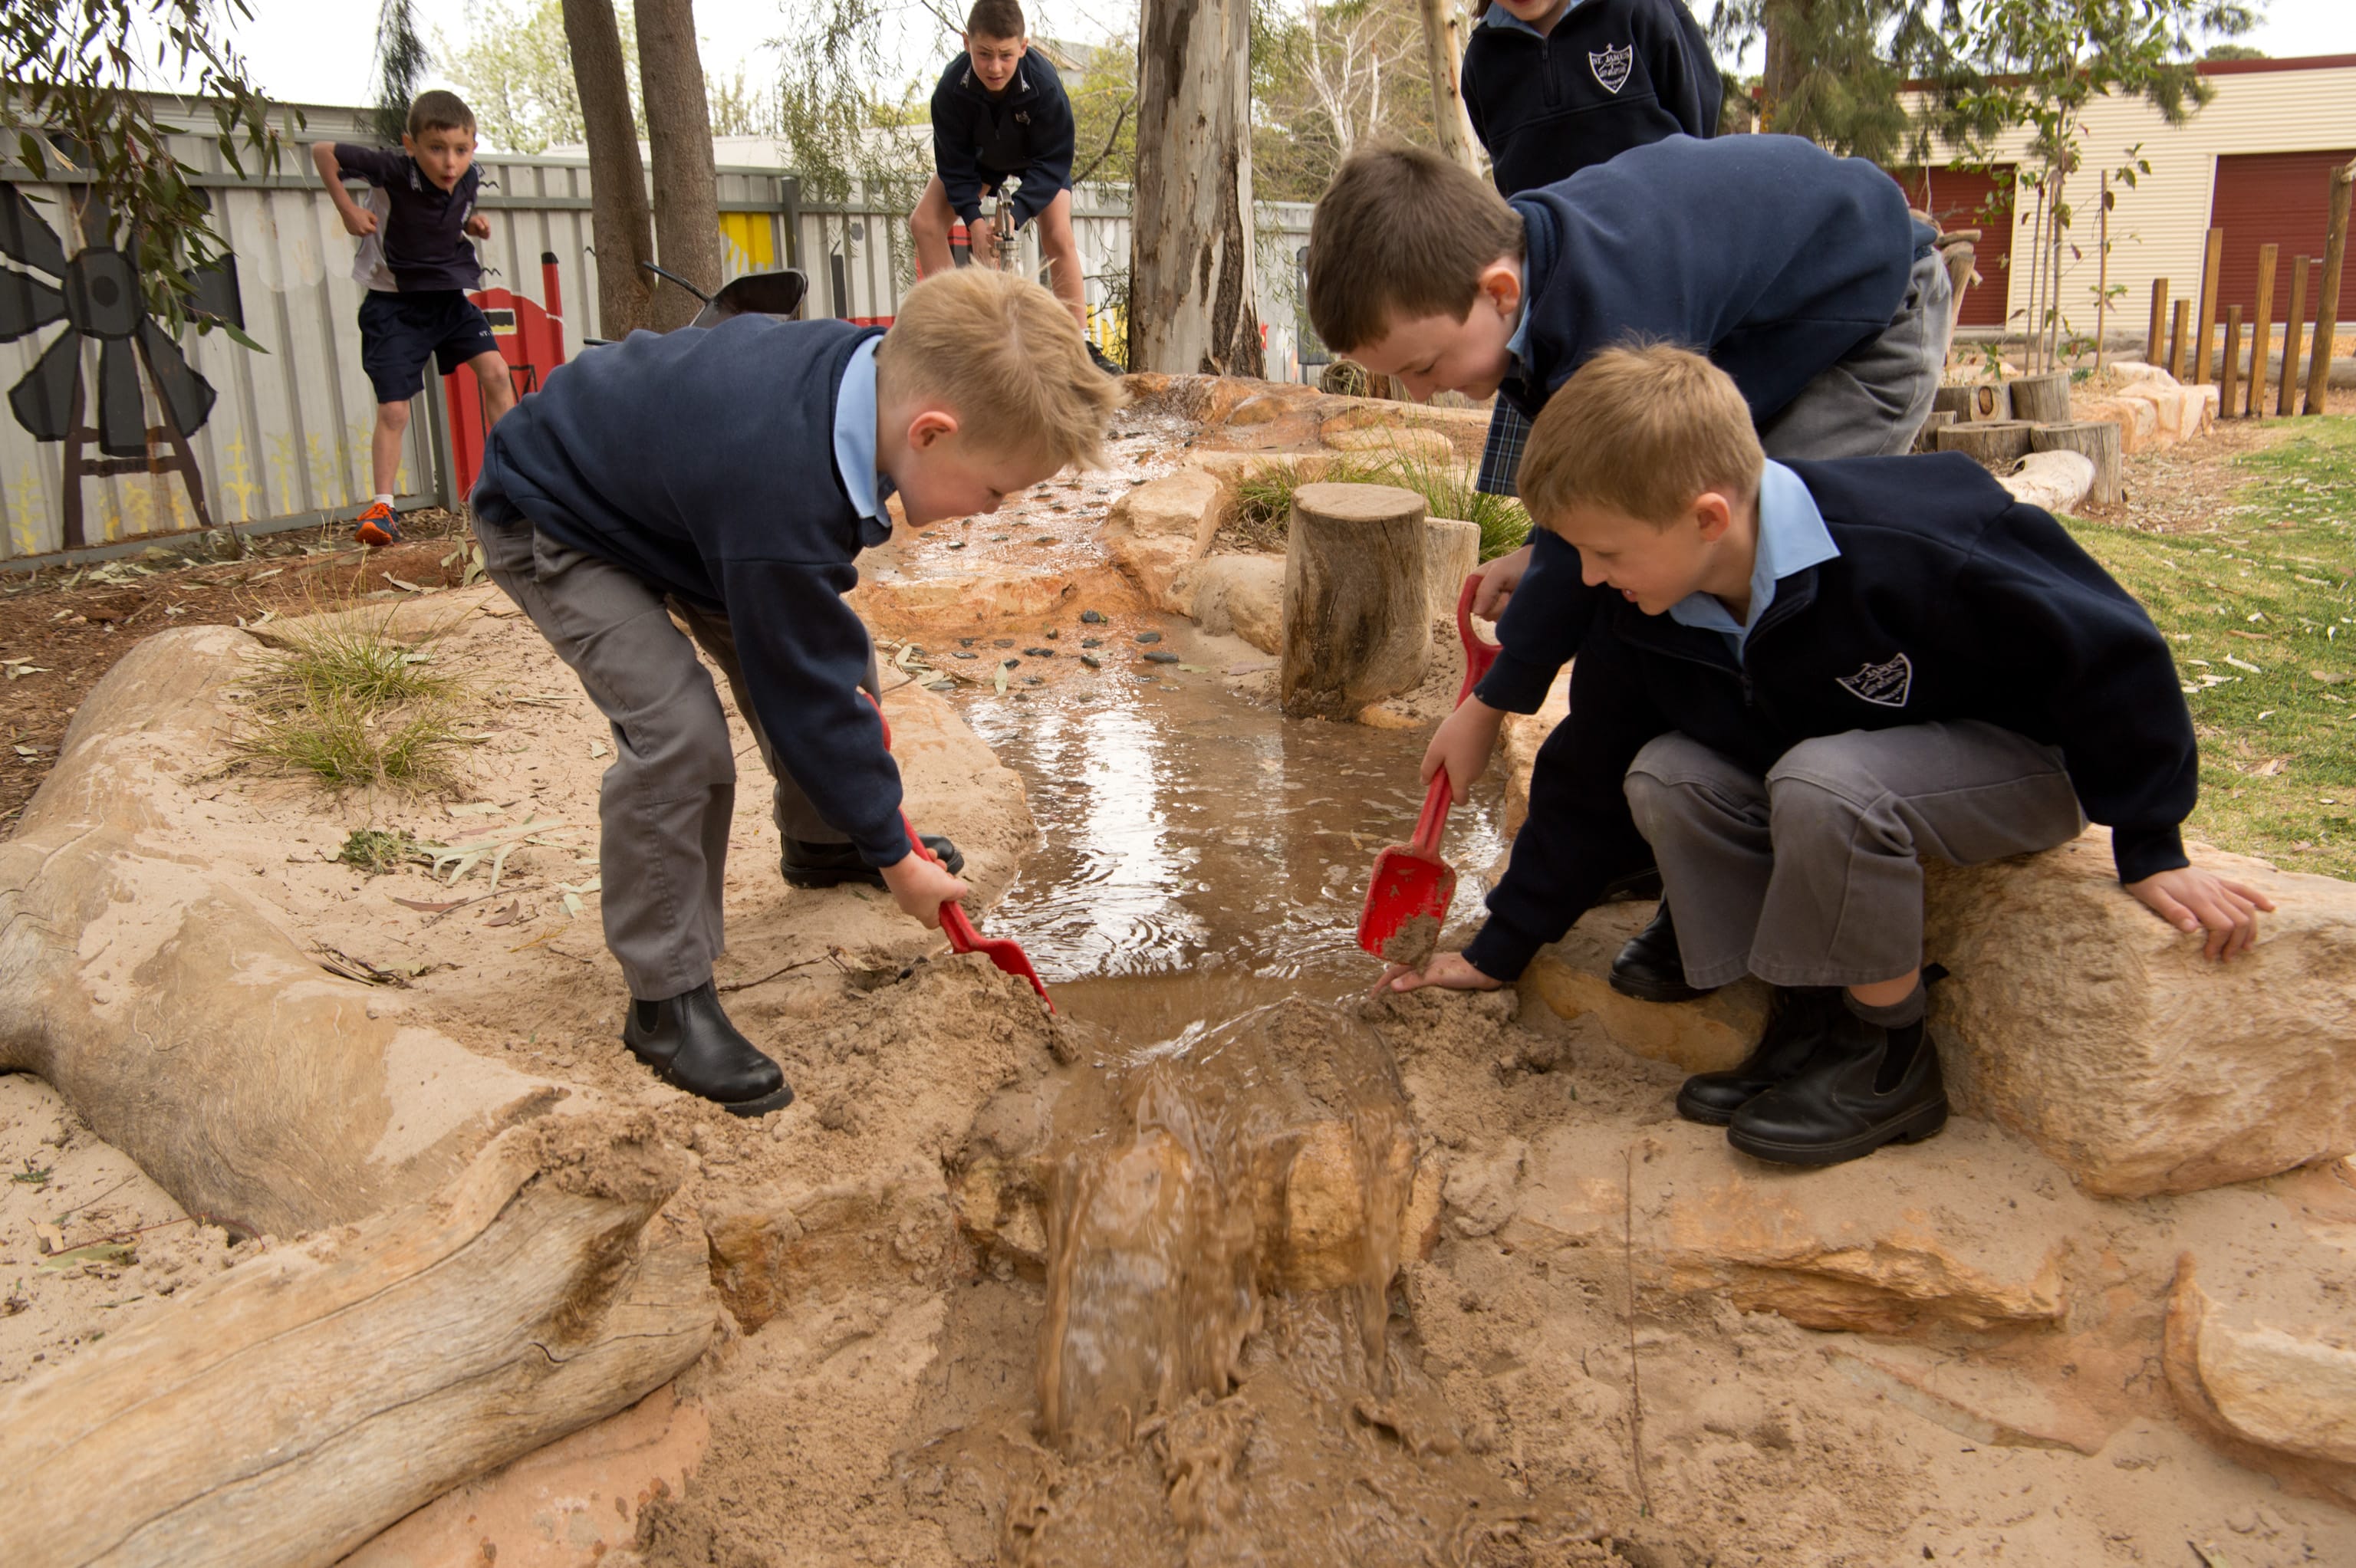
pixel 417 263
pixel 998 115
pixel 1790 690
pixel 1554 86
pixel 1829 310
pixel 729 474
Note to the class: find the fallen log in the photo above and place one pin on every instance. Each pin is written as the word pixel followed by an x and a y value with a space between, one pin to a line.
pixel 281 1414
pixel 179 1019
pixel 2097 440
pixel 1357 616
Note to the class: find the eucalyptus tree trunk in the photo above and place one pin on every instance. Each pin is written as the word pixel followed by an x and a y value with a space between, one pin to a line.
pixel 1192 304
pixel 679 137
pixel 1443 55
pixel 618 180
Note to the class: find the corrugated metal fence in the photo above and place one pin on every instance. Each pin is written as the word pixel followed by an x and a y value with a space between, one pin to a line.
pixel 286 443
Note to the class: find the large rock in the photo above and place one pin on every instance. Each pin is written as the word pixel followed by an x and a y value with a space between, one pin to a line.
pixel 2277 1400
pixel 2151 407
pixel 1571 978
pixel 1238 595
pixel 2075 1015
pixel 1153 532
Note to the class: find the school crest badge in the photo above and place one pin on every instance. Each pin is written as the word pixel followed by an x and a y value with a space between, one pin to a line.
pixel 1884 684
pixel 1611 67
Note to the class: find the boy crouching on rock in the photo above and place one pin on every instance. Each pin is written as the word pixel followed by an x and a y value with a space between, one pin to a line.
pixel 1811 674
pixel 729 474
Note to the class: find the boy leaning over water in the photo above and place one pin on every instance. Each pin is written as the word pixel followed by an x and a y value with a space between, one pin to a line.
pixel 1805 676
pixel 730 475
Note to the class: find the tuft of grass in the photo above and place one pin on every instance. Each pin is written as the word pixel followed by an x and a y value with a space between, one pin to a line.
pixel 351 704
pixel 2260 611
pixel 1448 486
pixel 376 851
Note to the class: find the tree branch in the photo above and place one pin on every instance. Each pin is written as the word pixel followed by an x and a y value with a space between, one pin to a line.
pixel 1110 142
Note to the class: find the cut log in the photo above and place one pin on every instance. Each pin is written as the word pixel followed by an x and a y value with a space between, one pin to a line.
pixel 179 1018
pixel 1990 400
pixel 1355 621
pixel 2042 399
pixel 2097 440
pixel 1954 398
pixel 284 1411
pixel 1927 438
pixel 1451 553
pixel 1999 444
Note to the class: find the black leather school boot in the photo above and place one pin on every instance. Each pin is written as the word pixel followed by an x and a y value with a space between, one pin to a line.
pixel 690 1044
pixel 1861 1086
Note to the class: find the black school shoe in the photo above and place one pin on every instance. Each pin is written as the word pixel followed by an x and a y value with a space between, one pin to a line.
pixel 1796 1022
pixel 690 1044
pixel 1862 1086
pixel 808 865
pixel 1649 968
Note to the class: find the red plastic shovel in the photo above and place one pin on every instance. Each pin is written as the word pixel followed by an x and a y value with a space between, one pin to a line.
pixel 1004 951
pixel 1411 883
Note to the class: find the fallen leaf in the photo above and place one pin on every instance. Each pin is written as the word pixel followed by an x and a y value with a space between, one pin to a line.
pixel 507 916
pixel 96 1253
pixel 475 808
pixel 599 749
pixel 397 582
pixel 2243 664
pixel 52 1240
pixel 442 908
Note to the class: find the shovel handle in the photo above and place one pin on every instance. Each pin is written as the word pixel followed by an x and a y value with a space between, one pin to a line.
pixel 959 929
pixel 1479 653
pixel 1428 827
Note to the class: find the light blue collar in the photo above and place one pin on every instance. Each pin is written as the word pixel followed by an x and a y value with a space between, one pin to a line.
pixel 1499 17
pixel 1792 537
pixel 1519 343
pixel 854 446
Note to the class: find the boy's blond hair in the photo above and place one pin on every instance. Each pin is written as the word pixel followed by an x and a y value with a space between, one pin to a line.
pixel 1005 356
pixel 1641 431
pixel 439 110
pixel 1401 232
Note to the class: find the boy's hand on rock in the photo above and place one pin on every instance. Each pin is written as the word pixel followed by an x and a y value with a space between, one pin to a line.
pixel 920 886
pixel 358 223
pixel 1450 971
pixel 2190 899
pixel 1463 744
pixel 1498 581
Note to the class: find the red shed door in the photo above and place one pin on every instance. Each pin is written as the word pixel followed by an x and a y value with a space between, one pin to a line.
pixel 1971 199
pixel 2275 199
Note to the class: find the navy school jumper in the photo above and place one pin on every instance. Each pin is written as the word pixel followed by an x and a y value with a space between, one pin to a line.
pixel 1024 132
pixel 1614 74
pixel 703 462
pixel 1949 601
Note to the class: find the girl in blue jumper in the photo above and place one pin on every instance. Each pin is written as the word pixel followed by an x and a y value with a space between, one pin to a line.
pixel 1554 86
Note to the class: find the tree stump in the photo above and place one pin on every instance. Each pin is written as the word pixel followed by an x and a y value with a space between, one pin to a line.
pixel 284 1411
pixel 1995 443
pixel 2042 399
pixel 1356 624
pixel 1953 397
pixel 1927 438
pixel 1989 401
pixel 1451 553
pixel 2098 440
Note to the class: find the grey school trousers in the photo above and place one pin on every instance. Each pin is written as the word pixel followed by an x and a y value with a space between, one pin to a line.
pixel 1872 401
pixel 1812 875
pixel 665 805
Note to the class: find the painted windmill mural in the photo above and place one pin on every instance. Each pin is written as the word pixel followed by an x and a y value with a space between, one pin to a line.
pixel 96 293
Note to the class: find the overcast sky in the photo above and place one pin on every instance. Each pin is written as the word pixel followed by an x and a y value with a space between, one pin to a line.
pixel 308 52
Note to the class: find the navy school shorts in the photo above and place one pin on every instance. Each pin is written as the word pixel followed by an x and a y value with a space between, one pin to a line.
pixel 400 332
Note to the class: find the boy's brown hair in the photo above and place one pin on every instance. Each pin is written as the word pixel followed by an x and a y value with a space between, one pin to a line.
pixel 1401 232
pixel 439 110
pixel 1641 431
pixel 995 19
pixel 1007 357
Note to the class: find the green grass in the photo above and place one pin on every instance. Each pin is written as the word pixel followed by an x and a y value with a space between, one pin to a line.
pixel 2267 585
pixel 351 704
pixel 377 850
pixel 1264 498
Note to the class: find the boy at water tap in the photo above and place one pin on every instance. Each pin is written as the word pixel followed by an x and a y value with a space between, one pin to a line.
pixel 1801 274
pixel 1801 678
pixel 417 262
pixel 999 113
pixel 729 475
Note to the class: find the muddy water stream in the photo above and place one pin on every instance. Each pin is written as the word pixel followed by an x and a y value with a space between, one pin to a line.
pixel 1225 1177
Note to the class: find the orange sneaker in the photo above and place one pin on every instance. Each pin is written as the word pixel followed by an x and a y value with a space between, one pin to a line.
pixel 378 527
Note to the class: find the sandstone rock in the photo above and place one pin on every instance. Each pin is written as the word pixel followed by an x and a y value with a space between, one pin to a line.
pixel 1961 1232
pixel 1993 1405
pixel 1467 430
pixel 2057 481
pixel 1344 1201
pixel 2151 407
pixel 770 1247
pixel 1238 594
pixel 944 605
pixel 1451 553
pixel 2278 1401
pixel 573 1503
pixel 2076 1017
pixel 1157 529
pixel 1706 1036
pixel 1391 441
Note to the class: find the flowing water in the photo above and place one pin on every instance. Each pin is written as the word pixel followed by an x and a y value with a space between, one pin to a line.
pixel 1228 1184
